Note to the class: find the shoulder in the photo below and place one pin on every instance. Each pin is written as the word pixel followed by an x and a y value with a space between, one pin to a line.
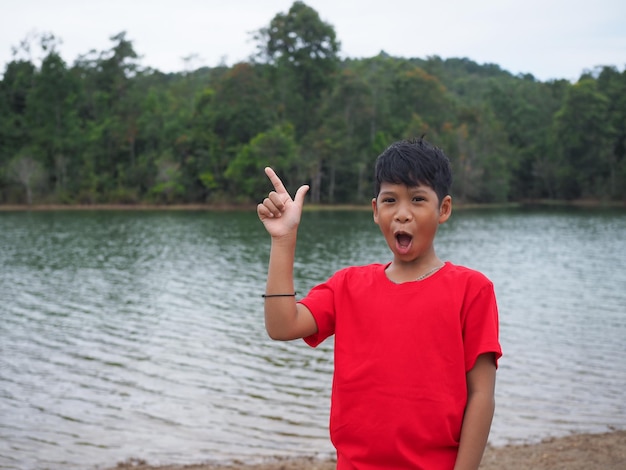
pixel 345 283
pixel 465 275
pixel 358 274
pixel 360 270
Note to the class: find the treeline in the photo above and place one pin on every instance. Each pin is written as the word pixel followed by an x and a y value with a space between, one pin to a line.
pixel 106 130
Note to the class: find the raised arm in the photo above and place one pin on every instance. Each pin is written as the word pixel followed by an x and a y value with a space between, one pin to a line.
pixel 284 318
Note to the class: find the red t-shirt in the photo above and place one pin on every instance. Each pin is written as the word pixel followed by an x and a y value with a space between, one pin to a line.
pixel 401 355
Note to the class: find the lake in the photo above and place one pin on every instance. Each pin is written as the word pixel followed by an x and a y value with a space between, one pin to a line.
pixel 140 334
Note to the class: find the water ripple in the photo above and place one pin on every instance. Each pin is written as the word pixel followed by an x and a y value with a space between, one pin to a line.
pixel 141 335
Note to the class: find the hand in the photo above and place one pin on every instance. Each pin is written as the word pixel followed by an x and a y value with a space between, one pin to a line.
pixel 279 213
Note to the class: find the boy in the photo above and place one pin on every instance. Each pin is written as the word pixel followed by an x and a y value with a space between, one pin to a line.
pixel 416 340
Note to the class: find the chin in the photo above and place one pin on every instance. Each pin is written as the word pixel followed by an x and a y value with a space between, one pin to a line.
pixel 406 259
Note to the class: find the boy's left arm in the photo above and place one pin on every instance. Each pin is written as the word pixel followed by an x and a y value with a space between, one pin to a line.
pixel 481 382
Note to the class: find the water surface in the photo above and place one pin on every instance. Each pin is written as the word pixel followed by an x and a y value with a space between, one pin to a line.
pixel 140 334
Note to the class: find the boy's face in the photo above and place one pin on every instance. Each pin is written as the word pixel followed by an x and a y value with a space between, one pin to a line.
pixel 409 217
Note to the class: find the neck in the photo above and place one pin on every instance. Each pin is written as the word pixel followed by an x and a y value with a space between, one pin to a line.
pixel 399 272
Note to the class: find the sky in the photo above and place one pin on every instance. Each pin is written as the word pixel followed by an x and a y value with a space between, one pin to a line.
pixel 550 39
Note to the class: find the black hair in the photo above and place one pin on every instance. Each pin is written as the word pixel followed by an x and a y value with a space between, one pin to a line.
pixel 414 162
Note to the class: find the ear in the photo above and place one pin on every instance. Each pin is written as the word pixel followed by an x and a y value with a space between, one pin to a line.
pixel 445 210
pixel 375 210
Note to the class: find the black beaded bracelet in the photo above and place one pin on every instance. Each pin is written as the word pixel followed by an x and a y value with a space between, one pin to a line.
pixel 265 296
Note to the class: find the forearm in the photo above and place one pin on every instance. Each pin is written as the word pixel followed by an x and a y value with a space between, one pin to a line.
pixel 280 269
pixel 475 430
pixel 281 312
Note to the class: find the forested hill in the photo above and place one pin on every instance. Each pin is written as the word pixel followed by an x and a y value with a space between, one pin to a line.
pixel 107 130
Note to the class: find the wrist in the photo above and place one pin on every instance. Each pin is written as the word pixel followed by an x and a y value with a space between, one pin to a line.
pixel 284 241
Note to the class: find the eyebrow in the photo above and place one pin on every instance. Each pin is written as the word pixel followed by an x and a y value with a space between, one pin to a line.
pixel 412 190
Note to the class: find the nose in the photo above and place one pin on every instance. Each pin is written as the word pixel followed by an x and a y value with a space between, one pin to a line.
pixel 403 213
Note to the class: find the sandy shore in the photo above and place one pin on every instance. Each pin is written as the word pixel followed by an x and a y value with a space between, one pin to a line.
pixel 575 452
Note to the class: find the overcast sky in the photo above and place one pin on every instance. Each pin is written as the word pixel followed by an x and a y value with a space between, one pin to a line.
pixel 550 39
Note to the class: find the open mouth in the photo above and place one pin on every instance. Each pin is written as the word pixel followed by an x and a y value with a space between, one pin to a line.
pixel 403 241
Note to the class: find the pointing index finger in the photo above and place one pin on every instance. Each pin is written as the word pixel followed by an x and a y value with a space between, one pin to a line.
pixel 276 182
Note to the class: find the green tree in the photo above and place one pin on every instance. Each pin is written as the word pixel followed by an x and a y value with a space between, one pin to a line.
pixel 106 130
pixel 524 109
pixel 378 73
pixel 208 149
pixel 109 108
pixel 340 147
pixel 235 110
pixel 583 141
pixel 168 187
pixel 303 51
pixel 241 106
pixel 15 87
pixel 612 84
pixel 479 155
pixel 54 121
pixel 417 92
pixel 28 172
pixel 276 148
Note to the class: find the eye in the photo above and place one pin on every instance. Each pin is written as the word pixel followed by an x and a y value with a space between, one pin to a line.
pixel 388 200
pixel 418 199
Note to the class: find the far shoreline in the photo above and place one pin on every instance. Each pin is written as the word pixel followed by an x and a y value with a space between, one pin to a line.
pixel 224 207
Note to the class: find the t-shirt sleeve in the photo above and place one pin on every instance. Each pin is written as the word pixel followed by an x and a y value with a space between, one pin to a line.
pixel 481 326
pixel 321 302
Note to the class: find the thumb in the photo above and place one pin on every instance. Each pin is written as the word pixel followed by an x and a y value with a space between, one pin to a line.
pixel 300 193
